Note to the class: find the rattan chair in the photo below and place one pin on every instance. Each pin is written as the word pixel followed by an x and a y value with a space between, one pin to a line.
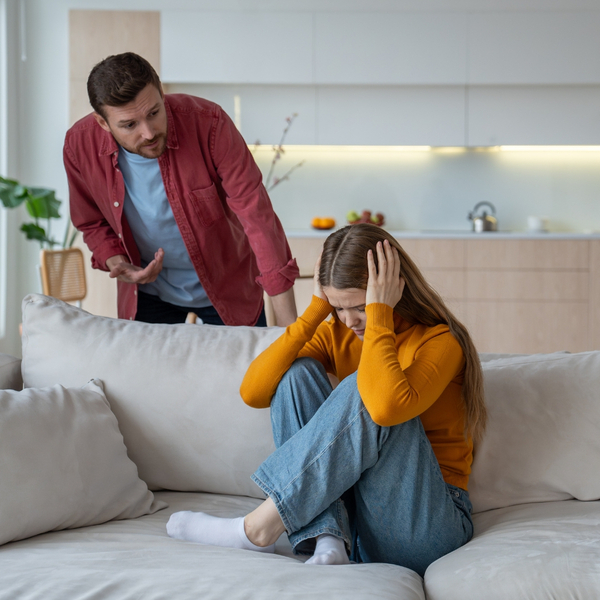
pixel 63 277
pixel 63 274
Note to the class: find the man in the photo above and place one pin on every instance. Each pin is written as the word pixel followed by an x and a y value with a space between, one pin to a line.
pixel 171 203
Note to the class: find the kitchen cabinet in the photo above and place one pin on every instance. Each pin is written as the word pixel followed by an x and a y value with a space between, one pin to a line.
pixel 461 78
pixel 534 47
pixel 377 48
pixel 237 47
pixel 533 115
pixel 263 109
pixel 528 295
pixel 391 115
pixel 381 47
pixel 515 295
pixel 96 34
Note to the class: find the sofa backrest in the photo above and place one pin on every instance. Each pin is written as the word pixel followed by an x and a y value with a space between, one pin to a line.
pixel 175 392
pixel 10 372
pixel 173 388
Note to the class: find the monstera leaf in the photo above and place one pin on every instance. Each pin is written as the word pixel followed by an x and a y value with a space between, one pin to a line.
pixel 12 193
pixel 35 232
pixel 41 203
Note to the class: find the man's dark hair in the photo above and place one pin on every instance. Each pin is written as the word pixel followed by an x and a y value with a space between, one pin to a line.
pixel 118 79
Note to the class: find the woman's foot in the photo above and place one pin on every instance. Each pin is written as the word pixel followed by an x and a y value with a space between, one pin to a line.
pixel 213 531
pixel 330 550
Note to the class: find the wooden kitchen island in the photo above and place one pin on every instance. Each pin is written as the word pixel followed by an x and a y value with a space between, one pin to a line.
pixel 517 293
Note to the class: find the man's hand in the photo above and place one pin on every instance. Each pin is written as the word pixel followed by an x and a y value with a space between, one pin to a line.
pixel 384 286
pixel 121 269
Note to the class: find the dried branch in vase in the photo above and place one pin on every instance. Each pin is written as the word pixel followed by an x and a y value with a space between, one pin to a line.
pixel 271 181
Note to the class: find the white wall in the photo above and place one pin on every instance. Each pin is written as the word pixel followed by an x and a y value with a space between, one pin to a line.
pixel 15 257
pixel 437 193
pixel 436 190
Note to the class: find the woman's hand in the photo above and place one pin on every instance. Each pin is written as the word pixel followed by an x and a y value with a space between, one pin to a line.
pixel 384 286
pixel 317 288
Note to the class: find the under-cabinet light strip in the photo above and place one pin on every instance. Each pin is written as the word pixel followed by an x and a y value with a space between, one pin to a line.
pixel 550 148
pixel 440 149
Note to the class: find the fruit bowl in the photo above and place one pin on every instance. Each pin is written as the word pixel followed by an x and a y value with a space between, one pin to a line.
pixel 365 217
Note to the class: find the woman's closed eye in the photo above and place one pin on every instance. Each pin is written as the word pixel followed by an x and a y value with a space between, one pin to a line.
pixel 360 309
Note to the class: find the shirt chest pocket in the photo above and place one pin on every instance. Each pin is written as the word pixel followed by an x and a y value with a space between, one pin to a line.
pixel 207 204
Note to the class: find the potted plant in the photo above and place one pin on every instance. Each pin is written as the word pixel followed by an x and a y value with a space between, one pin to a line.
pixel 62 271
pixel 42 205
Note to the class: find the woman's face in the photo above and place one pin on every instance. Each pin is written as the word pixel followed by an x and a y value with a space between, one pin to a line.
pixel 349 306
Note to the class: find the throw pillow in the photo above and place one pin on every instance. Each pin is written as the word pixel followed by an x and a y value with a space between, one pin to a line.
pixel 542 441
pixel 63 463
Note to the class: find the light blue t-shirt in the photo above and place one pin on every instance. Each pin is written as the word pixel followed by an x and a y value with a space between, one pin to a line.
pixel 153 226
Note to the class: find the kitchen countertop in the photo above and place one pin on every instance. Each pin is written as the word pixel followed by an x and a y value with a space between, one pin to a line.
pixel 466 234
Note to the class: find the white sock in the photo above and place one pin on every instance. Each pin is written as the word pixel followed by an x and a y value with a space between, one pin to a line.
pixel 212 531
pixel 330 550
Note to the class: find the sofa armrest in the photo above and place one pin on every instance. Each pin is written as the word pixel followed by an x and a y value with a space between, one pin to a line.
pixel 10 373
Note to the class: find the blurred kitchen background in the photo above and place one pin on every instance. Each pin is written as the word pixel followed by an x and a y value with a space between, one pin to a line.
pixel 418 109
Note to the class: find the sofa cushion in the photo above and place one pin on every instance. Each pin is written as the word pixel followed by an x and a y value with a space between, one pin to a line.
pixel 63 463
pixel 527 552
pixel 173 388
pixel 136 559
pixel 10 373
pixel 542 439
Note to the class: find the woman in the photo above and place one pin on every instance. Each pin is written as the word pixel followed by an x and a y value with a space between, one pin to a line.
pixel 375 470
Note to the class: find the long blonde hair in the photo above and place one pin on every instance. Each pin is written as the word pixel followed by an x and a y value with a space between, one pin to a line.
pixel 344 266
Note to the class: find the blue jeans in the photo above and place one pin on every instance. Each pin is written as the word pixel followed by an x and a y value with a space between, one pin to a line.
pixel 335 471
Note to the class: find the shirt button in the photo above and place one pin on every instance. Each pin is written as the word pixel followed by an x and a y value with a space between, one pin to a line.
pixel 120 236
pixel 131 318
pixel 116 204
pixel 135 292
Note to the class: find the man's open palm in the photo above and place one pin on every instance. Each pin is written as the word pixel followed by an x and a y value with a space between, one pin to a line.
pixel 125 271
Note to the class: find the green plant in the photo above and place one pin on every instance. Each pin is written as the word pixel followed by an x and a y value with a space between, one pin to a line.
pixel 41 204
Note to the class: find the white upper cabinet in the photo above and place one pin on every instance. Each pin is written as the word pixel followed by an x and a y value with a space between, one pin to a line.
pixel 534 48
pixel 397 77
pixel 534 115
pixel 391 115
pixel 381 48
pixel 236 47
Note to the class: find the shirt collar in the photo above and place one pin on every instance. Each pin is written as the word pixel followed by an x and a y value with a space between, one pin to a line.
pixel 108 145
pixel 172 141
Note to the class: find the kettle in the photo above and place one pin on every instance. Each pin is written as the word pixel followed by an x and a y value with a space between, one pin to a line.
pixel 483 222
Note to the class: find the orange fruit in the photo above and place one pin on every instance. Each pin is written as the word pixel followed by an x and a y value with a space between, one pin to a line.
pixel 323 223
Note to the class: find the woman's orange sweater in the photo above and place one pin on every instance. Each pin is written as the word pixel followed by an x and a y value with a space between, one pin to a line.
pixel 404 371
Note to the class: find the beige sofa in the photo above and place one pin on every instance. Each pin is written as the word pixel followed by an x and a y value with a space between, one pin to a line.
pixel 82 509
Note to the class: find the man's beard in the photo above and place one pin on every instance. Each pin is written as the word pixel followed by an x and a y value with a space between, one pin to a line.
pixel 143 150
pixel 154 152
